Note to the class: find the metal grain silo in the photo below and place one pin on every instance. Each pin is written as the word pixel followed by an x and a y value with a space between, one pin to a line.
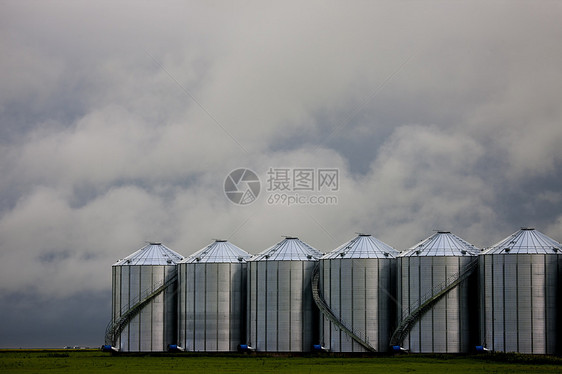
pixel 436 296
pixel 518 288
pixel 144 301
pixel 212 298
pixel 355 296
pixel 282 316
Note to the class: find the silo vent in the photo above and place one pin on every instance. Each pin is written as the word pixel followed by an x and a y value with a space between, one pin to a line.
pixel 342 254
pixel 418 251
pixel 240 258
pixel 555 249
pixel 309 256
pixel 169 261
pixel 386 254
pixel 198 259
pixel 463 251
pixel 507 249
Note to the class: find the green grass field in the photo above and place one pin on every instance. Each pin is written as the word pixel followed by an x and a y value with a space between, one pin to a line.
pixel 90 361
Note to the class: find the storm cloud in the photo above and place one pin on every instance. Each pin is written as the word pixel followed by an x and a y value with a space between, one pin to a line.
pixel 120 121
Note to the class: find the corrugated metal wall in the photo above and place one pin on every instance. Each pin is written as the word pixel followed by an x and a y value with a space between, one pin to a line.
pixel 212 306
pixel 281 314
pixel 446 328
pixel 155 326
pixel 360 293
pixel 519 297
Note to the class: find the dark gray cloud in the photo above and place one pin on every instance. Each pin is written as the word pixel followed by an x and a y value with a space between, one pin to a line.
pixel 30 320
pixel 438 115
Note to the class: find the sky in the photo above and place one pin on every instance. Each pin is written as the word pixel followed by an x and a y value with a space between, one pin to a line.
pixel 120 121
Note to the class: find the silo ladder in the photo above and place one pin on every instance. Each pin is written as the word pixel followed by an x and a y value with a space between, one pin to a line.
pixel 330 315
pixel 116 326
pixel 427 301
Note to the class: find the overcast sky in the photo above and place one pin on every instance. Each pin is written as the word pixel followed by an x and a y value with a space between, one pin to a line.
pixel 119 122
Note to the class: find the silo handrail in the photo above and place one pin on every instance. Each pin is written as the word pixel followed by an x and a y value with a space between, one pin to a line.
pixel 116 326
pixel 143 295
pixel 452 280
pixel 425 302
pixel 328 313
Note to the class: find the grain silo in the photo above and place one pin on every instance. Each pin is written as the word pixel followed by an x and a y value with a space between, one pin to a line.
pixel 144 301
pixel 436 292
pixel 212 298
pixel 355 296
pixel 282 316
pixel 519 284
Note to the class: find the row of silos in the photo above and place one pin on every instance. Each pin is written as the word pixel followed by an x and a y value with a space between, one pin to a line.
pixel 220 294
pixel 369 296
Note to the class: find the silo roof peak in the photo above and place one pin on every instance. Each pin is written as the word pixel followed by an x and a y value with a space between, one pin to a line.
pixel 442 243
pixel 218 251
pixel 526 241
pixel 154 253
pixel 289 249
pixel 363 246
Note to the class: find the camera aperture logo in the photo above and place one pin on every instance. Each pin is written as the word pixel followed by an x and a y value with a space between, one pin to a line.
pixel 242 186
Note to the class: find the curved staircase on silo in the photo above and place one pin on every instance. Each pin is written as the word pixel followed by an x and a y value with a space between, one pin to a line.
pixel 330 315
pixel 116 326
pixel 427 301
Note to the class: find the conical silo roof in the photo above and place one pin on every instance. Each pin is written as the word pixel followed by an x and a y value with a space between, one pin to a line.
pixel 526 241
pixel 363 246
pixel 289 249
pixel 219 251
pixel 442 243
pixel 151 254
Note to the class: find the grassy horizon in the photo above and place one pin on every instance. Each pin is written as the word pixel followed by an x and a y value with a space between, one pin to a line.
pixel 95 361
